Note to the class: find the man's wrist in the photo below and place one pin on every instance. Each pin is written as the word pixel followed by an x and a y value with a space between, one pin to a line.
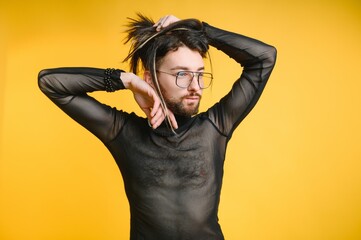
pixel 111 79
pixel 126 79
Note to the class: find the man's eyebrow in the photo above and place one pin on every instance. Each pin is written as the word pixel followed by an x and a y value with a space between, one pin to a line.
pixel 185 68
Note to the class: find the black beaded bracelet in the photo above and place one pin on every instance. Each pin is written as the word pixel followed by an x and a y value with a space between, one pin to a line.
pixel 107 80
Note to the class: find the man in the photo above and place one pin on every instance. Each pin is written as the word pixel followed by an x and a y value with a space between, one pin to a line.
pixel 171 161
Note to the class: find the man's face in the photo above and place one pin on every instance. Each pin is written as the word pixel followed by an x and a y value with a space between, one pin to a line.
pixel 181 101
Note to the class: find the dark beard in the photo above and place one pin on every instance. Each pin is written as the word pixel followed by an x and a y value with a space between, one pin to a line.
pixel 178 108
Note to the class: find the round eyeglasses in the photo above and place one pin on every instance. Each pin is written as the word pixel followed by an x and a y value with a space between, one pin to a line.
pixel 183 79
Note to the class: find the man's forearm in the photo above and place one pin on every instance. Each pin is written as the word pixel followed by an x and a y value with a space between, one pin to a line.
pixel 60 83
pixel 245 50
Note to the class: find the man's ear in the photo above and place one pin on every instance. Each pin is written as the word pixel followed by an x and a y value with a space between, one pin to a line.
pixel 147 76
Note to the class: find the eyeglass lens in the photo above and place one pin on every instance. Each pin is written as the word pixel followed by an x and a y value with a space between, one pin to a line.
pixel 185 78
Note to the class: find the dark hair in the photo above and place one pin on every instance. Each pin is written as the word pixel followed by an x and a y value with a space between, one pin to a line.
pixel 149 46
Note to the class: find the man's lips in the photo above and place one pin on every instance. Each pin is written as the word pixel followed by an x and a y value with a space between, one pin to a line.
pixel 192 98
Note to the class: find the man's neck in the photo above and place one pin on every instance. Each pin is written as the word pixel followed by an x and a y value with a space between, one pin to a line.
pixel 181 120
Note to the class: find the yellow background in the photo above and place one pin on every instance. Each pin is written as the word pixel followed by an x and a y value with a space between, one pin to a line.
pixel 293 166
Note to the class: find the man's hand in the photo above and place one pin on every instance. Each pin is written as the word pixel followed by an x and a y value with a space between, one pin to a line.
pixel 165 21
pixel 147 100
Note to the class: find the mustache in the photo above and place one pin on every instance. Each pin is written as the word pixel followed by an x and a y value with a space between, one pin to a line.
pixel 193 95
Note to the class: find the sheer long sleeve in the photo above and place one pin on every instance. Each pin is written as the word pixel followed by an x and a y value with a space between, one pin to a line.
pixel 68 88
pixel 258 60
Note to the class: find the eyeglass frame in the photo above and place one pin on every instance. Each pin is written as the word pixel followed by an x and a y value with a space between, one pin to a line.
pixel 193 75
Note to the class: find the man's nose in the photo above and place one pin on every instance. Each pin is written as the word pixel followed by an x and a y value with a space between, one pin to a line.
pixel 194 85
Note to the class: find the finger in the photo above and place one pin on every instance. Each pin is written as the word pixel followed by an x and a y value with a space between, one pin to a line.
pixel 169 20
pixel 165 21
pixel 157 119
pixel 153 121
pixel 156 105
pixel 159 22
pixel 147 112
pixel 154 110
pixel 159 26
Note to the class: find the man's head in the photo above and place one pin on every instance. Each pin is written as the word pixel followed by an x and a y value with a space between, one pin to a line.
pixel 172 60
pixel 178 76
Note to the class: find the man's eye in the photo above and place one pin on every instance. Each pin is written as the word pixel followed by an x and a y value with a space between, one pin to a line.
pixel 182 74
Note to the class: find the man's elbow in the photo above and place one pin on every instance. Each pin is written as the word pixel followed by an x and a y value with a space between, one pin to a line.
pixel 271 56
pixel 43 81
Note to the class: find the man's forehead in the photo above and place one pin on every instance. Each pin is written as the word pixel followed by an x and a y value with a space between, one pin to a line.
pixel 183 59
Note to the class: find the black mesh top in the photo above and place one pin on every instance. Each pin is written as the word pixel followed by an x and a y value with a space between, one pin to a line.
pixel 172 182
